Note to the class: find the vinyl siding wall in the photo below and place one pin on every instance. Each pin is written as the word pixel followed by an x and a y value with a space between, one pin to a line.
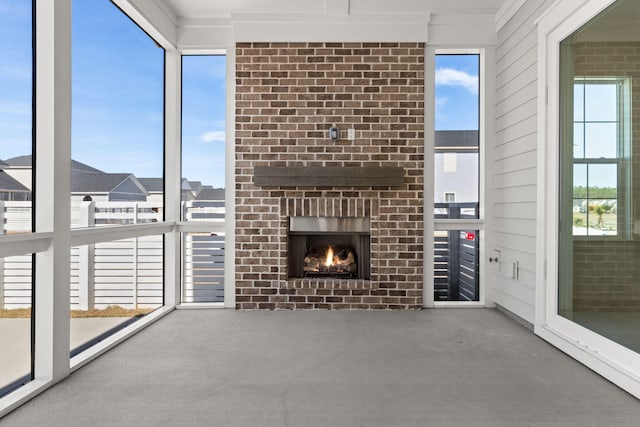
pixel 515 159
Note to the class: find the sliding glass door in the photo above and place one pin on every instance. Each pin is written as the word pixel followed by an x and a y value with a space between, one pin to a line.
pixel 599 239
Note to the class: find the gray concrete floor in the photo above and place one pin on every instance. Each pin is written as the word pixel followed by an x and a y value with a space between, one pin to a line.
pixel 430 368
pixel 15 342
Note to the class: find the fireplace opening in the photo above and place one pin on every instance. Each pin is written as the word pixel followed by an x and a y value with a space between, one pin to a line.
pixel 329 247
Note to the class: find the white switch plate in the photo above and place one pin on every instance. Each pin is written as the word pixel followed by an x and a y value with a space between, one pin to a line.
pixel 351 134
pixel 513 269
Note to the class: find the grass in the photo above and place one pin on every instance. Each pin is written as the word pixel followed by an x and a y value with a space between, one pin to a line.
pixel 609 220
pixel 111 311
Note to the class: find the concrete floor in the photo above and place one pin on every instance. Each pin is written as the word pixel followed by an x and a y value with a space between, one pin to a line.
pixel 15 342
pixel 430 368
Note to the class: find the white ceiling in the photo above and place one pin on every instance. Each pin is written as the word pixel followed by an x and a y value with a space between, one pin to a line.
pixel 181 10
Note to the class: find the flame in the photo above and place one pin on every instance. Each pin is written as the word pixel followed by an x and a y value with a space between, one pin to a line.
pixel 329 260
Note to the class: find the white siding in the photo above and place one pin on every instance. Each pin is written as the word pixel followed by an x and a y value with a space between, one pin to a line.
pixel 515 164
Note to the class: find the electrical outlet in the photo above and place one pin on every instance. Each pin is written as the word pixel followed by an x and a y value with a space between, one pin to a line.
pixel 513 269
pixel 351 134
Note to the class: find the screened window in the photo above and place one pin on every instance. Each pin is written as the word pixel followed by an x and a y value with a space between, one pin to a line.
pixel 16 117
pixel 203 137
pixel 203 176
pixel 16 185
pixel 456 176
pixel 117 170
pixel 117 118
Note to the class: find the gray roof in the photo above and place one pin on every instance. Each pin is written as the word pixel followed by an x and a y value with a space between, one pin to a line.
pixel 8 183
pixel 195 185
pixel 152 184
pixel 19 161
pixel 457 138
pixel 211 194
pixel 96 183
pixel 76 166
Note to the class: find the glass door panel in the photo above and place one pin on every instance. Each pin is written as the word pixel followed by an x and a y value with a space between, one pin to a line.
pixel 599 242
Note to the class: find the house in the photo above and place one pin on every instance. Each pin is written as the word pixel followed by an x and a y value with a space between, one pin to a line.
pixel 114 187
pixel 20 168
pixel 10 188
pixel 154 188
pixel 89 181
pixel 330 135
pixel 457 158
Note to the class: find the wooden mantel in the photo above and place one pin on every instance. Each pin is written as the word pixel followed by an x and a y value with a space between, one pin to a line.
pixel 317 176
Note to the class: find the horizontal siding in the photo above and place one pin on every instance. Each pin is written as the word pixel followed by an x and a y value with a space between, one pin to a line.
pixel 515 158
pixel 515 178
pixel 522 210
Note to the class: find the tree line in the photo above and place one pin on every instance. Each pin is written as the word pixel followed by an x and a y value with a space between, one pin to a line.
pixel 580 192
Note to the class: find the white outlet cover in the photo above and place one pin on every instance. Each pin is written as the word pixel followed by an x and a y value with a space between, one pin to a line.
pixel 351 134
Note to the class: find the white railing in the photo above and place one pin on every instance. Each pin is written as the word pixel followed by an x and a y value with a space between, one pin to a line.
pixel 203 253
pixel 128 272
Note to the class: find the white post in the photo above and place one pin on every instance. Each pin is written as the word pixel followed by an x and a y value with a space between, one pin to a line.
pixel 172 193
pixel 1 259
pixel 53 145
pixel 135 259
pixel 230 185
pixel 187 267
pixel 86 260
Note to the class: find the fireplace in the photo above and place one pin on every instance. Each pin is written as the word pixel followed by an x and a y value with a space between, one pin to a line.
pixel 329 247
pixel 285 168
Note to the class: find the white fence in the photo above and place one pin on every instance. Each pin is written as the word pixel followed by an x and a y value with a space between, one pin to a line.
pixel 129 272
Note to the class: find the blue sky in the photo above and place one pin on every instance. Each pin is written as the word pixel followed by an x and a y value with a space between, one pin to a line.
pixel 15 78
pixel 457 78
pixel 203 113
pixel 118 95
pixel 117 92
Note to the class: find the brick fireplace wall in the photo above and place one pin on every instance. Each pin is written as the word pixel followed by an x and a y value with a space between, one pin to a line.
pixel 287 97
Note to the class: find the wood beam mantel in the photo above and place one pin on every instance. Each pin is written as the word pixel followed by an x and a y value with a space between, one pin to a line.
pixel 316 176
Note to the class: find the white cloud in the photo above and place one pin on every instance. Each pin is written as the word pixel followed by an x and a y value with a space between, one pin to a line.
pixel 452 77
pixel 213 136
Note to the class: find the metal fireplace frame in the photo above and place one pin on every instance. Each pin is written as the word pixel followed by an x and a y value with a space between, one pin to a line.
pixel 353 231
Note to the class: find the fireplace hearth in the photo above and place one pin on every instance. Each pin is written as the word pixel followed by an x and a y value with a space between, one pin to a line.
pixel 329 247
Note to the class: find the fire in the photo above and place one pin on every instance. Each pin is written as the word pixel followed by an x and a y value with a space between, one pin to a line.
pixel 329 260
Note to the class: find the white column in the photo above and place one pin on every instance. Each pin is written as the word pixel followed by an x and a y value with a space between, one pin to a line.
pixel 86 260
pixel 429 139
pixel 134 288
pixel 1 259
pixel 53 186
pixel 230 184
pixel 172 169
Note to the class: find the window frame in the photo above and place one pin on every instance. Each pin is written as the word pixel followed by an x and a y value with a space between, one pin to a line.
pixel 227 227
pixel 486 101
pixel 621 161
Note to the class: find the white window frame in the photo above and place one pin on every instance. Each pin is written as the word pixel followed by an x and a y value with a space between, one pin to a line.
pixel 615 362
pixel 486 109
pixel 228 228
pixel 622 159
